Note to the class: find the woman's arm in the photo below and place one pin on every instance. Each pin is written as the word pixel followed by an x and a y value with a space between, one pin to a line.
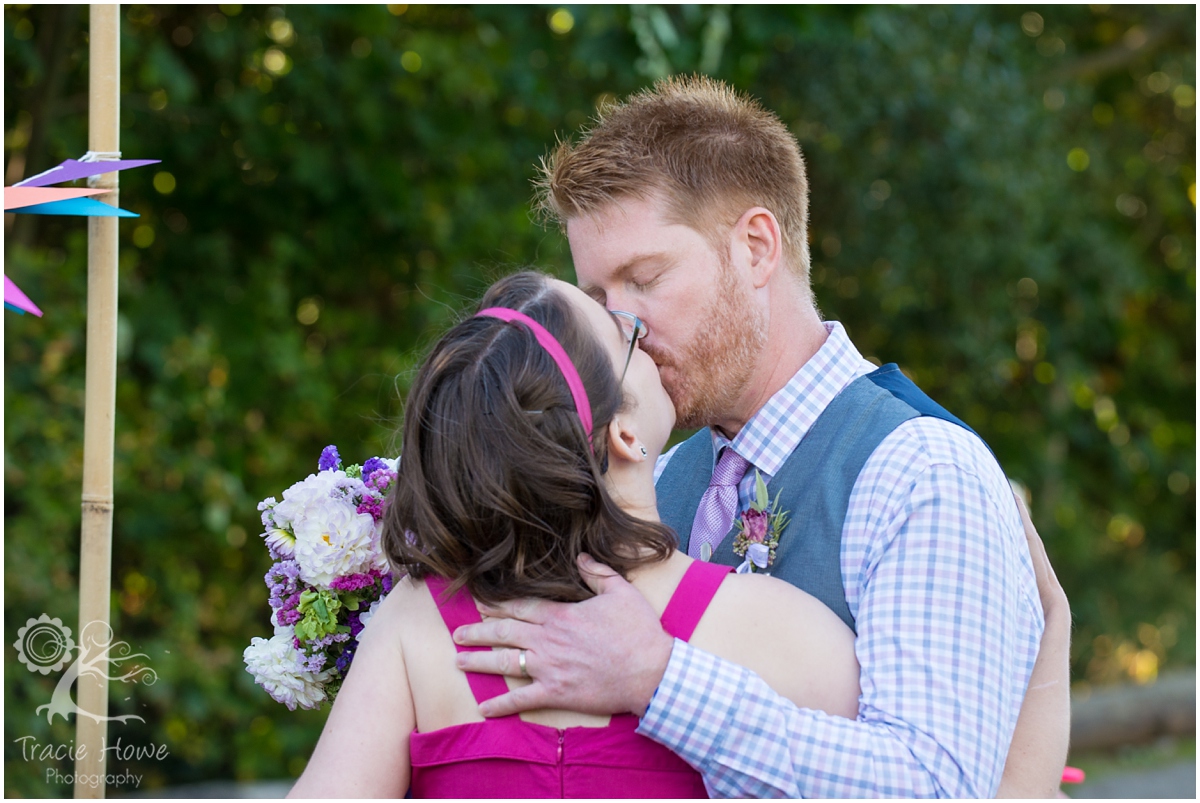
pixel 363 751
pixel 1039 746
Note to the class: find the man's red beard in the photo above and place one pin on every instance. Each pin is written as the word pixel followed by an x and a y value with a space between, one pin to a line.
pixel 707 377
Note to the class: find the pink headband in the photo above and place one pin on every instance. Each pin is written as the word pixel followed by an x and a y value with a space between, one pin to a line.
pixel 556 351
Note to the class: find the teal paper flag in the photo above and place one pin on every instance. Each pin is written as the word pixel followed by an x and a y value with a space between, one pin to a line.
pixel 74 206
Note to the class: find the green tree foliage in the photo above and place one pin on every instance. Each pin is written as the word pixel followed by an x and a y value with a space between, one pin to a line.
pixel 1003 203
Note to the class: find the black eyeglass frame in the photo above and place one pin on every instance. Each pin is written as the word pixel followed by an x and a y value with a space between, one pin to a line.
pixel 635 329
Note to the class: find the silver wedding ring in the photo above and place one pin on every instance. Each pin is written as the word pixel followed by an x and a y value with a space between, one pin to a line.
pixel 521 663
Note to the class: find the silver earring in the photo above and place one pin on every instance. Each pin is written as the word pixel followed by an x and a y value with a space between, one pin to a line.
pixel 643 451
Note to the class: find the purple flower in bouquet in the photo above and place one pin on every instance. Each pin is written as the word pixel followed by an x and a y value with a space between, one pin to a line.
pixel 281 581
pixel 343 661
pixel 313 663
pixel 356 625
pixel 354 582
pixel 372 506
pixel 266 507
pixel 371 466
pixel 330 459
pixel 289 614
pixel 324 641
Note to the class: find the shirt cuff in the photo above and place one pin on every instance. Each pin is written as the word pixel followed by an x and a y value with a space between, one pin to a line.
pixel 693 703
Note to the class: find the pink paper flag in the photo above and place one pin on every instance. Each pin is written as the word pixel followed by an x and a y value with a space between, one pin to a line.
pixel 14 296
pixel 73 169
pixel 17 197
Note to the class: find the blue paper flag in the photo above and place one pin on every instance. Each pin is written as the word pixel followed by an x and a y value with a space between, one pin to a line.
pixel 74 206
pixel 13 308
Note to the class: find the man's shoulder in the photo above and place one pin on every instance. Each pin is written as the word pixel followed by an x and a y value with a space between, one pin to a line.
pixel 939 457
pixel 926 441
pixel 947 477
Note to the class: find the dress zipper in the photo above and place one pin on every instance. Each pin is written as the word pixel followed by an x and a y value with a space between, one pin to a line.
pixel 562 779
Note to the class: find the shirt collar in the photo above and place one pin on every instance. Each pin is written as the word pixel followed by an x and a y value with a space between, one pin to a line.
pixel 770 437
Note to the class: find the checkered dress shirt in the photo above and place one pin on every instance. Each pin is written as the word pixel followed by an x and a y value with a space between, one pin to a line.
pixel 939 580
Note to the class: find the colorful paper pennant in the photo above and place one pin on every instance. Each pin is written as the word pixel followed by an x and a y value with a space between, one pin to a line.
pixel 31 197
pixel 73 169
pixel 16 197
pixel 75 206
pixel 17 301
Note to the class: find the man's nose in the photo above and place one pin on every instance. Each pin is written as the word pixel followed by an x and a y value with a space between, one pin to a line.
pixel 618 299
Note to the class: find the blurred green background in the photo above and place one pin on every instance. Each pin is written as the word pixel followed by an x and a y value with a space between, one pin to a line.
pixel 1003 201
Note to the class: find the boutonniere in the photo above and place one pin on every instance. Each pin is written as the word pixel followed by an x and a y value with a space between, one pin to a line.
pixel 759 529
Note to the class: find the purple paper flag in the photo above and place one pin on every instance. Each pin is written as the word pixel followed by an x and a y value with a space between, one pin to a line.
pixel 73 169
pixel 75 206
pixel 15 298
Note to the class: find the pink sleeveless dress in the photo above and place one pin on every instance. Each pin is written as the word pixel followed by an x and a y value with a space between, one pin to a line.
pixel 507 757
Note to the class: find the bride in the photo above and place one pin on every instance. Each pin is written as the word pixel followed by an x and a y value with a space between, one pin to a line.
pixel 530 438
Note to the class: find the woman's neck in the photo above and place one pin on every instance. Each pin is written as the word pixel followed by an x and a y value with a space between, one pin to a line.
pixel 631 486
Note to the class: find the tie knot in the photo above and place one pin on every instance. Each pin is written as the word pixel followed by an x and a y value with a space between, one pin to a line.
pixel 730 469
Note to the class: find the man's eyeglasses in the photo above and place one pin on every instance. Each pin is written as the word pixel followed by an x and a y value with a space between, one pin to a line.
pixel 634 329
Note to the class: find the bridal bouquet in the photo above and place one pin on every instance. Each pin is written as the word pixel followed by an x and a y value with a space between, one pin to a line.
pixel 329 577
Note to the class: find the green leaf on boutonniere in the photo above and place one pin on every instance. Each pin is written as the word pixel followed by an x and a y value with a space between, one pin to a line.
pixel 760 492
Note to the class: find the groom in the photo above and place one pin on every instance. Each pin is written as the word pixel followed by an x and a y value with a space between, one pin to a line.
pixel 687 205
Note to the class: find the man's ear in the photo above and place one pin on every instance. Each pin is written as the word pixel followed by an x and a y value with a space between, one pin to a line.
pixel 623 443
pixel 758 237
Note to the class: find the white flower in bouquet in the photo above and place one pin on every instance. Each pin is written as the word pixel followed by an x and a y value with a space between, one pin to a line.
pixel 332 538
pixel 365 617
pixel 276 666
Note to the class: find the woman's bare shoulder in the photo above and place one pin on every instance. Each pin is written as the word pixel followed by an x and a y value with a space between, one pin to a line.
pixel 406 587
pixel 405 606
pixel 764 594
pixel 789 637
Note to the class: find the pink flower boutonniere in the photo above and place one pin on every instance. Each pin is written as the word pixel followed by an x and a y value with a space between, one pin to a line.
pixel 759 529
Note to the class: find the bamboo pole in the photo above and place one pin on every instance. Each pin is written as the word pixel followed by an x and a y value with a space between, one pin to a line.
pixel 95 564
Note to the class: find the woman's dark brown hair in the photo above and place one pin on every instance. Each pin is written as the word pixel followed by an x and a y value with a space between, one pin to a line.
pixel 498 488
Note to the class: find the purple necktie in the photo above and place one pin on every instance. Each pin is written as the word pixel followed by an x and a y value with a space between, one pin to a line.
pixel 714 517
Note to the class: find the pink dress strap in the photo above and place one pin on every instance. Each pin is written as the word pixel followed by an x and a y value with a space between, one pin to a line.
pixel 457 611
pixel 692 597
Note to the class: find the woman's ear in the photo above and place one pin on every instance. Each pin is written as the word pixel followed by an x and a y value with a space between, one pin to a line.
pixel 623 443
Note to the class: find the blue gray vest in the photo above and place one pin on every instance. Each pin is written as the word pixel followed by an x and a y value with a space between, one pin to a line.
pixel 816 481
